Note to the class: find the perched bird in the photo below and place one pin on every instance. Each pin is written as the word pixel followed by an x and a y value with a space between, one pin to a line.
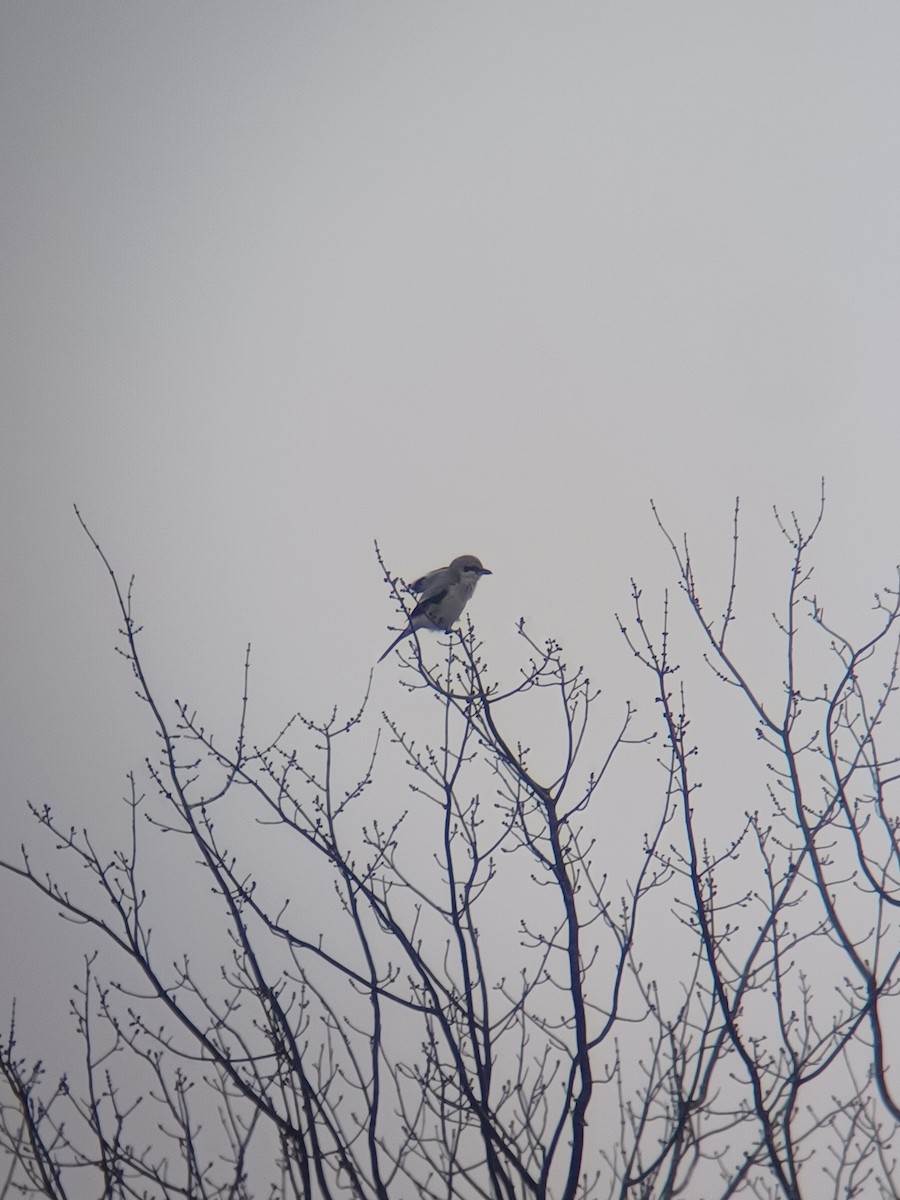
pixel 445 593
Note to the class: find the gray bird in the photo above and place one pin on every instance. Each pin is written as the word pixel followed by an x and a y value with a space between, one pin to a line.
pixel 445 593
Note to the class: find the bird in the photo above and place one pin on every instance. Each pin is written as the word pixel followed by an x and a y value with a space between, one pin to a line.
pixel 445 593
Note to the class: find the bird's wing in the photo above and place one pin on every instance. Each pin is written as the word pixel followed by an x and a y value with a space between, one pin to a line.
pixel 432 579
pixel 427 605
pixel 424 616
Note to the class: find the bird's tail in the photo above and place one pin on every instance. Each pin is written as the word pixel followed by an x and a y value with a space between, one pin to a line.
pixel 397 640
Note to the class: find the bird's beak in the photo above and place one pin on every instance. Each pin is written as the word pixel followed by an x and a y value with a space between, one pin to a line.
pixel 485 571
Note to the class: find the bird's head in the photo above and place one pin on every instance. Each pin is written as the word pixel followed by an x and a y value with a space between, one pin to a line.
pixel 467 566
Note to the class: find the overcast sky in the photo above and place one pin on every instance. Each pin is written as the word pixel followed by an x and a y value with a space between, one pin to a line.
pixel 280 279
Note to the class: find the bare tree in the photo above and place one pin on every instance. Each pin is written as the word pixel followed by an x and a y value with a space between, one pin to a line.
pixel 485 986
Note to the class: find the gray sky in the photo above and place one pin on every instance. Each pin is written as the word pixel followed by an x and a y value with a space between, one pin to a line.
pixel 281 279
